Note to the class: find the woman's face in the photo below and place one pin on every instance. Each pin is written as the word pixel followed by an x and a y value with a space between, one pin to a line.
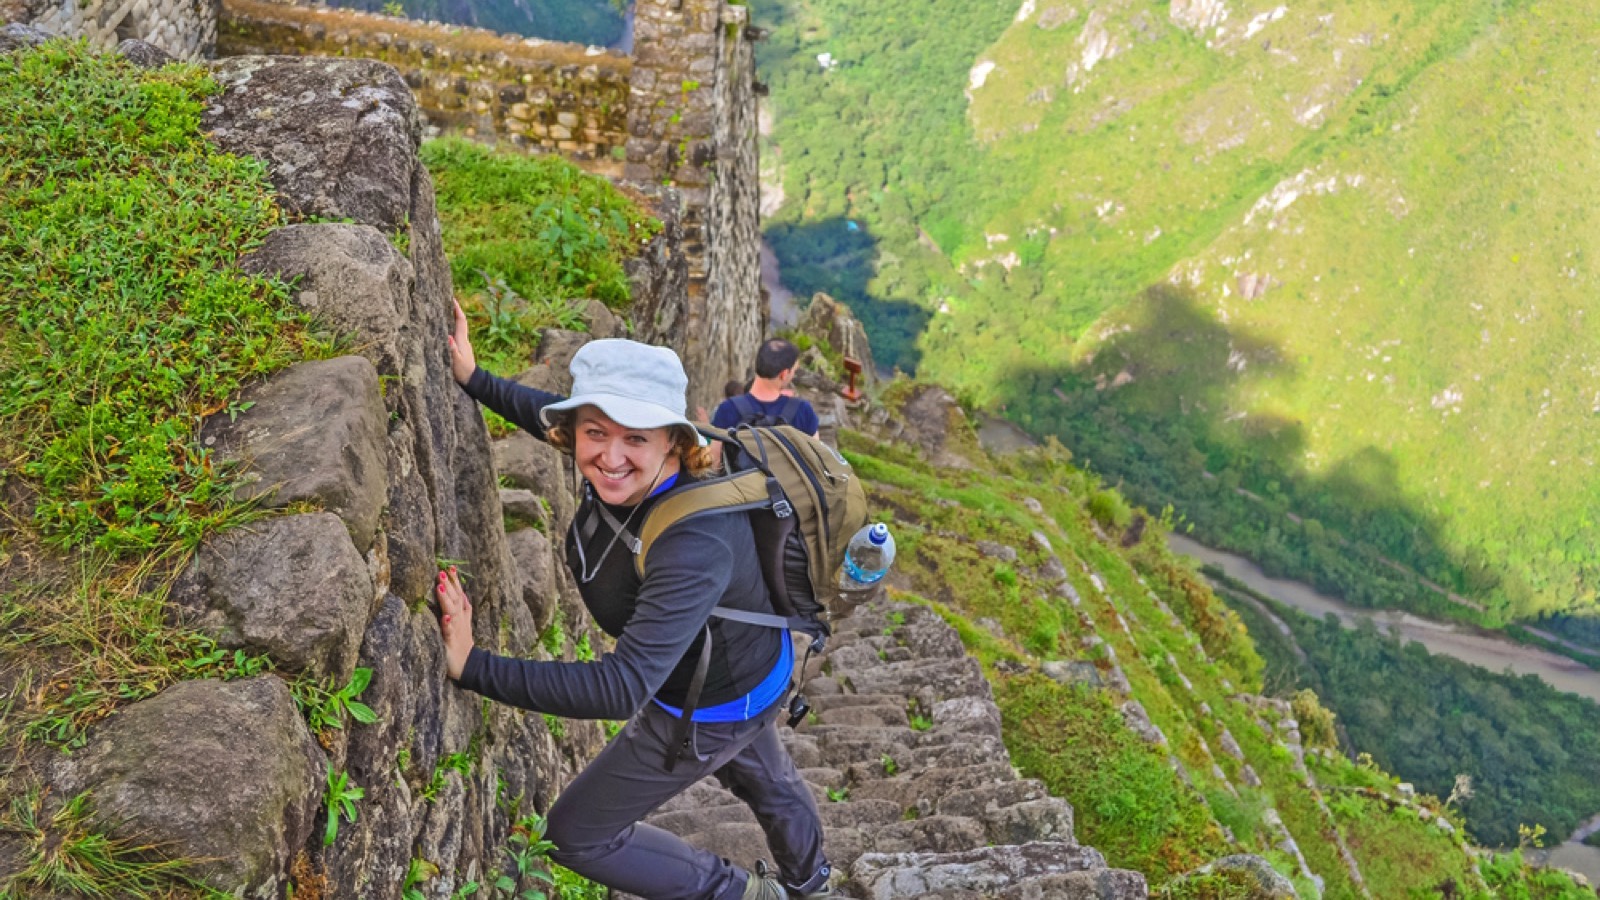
pixel 623 464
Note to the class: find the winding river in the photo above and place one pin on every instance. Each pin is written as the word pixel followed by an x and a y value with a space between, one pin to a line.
pixel 1494 653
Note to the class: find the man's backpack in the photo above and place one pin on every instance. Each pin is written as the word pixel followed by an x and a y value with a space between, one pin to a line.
pixel 752 412
pixel 804 503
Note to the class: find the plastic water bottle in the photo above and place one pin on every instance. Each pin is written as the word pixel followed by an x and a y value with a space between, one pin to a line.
pixel 867 557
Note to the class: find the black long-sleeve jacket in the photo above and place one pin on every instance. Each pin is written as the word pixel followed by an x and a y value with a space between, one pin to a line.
pixel 659 622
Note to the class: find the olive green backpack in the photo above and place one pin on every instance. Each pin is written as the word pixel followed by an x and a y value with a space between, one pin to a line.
pixel 804 503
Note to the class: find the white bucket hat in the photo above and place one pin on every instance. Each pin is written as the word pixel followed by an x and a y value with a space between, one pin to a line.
pixel 635 385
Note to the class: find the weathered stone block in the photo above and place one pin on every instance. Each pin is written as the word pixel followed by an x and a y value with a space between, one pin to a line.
pixel 221 773
pixel 293 588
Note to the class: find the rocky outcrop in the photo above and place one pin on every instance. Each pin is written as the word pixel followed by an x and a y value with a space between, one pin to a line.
pixel 169 771
pixel 915 785
pixel 931 420
pixel 828 320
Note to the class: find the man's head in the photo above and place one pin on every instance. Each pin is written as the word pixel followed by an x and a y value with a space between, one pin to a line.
pixel 776 357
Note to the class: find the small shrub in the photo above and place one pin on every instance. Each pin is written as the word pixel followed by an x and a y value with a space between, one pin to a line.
pixel 1110 510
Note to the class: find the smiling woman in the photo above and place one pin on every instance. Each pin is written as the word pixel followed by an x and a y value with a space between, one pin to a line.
pixel 702 692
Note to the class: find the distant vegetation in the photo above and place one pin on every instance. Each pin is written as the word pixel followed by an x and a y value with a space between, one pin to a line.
pixel 1530 750
pixel 596 22
pixel 1394 347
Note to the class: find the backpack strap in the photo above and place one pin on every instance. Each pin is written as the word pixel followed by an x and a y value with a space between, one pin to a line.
pixel 617 528
pixel 746 407
pixel 680 729
pixel 743 491
pixel 789 410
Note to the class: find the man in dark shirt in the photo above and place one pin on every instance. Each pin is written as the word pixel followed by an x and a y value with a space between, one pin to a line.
pixel 769 400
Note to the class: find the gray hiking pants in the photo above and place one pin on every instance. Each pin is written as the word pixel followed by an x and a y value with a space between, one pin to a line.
pixel 595 822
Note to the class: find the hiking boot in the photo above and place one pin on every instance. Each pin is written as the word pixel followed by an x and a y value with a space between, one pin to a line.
pixel 763 885
pixel 816 888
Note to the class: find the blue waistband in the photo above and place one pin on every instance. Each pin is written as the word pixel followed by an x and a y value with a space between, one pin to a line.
pixel 754 703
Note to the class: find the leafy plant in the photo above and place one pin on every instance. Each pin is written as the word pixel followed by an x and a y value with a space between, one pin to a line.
pixel 340 801
pixel 325 709
pixel 460 762
pixel 417 873
pixel 530 855
pixel 890 767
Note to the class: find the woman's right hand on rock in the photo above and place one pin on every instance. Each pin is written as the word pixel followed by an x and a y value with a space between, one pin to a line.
pixel 462 361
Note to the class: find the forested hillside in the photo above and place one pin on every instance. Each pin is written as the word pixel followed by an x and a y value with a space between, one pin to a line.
pixel 1314 273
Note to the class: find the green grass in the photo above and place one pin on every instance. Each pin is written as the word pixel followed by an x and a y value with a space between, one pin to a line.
pixel 530 240
pixel 1399 854
pixel 128 321
pixel 128 318
pixel 1128 803
pixel 64 854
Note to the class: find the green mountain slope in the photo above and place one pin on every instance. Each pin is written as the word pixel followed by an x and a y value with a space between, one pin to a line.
pixel 1333 253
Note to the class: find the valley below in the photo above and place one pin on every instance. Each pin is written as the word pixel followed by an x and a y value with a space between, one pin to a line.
pixel 1473 646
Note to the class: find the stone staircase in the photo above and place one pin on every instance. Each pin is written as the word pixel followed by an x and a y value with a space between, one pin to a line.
pixel 916 789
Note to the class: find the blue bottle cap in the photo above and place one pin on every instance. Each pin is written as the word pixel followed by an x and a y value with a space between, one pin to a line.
pixel 878 533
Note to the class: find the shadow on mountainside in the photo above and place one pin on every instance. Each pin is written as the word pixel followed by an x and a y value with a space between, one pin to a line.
pixel 839 257
pixel 1171 406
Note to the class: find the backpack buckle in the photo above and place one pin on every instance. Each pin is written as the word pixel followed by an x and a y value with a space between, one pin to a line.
pixel 780 504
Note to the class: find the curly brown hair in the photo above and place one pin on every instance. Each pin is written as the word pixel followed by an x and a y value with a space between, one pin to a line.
pixel 696 460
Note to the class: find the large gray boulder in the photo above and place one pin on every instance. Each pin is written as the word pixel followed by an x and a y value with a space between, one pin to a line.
pixel 222 773
pixel 312 433
pixel 349 277
pixel 292 587
pixel 339 136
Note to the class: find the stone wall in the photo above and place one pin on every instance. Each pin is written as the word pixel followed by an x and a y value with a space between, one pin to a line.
pixel 692 125
pixel 400 463
pixel 537 95
pixel 681 111
pixel 187 29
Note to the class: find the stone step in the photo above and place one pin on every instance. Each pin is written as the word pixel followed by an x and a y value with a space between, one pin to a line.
pixel 824 702
pixel 1038 869
pixel 921 790
pixel 926 681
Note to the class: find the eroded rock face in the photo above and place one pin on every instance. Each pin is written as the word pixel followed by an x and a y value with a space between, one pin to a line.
pixel 313 433
pixel 224 773
pixel 339 135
